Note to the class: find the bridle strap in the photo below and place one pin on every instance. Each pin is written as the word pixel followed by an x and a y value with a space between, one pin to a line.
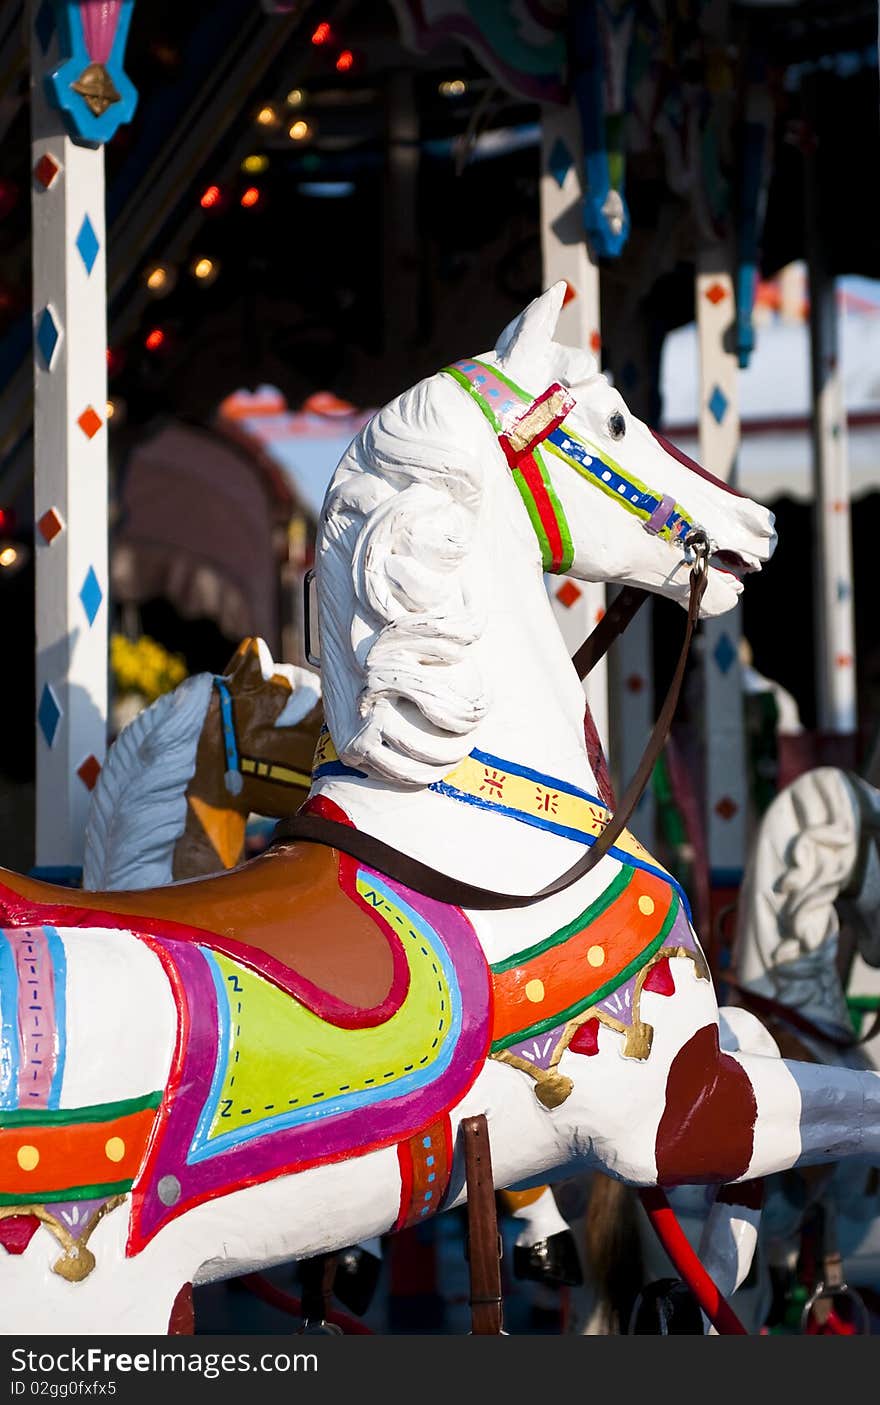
pixel 232 777
pixel 318 829
pixel 620 613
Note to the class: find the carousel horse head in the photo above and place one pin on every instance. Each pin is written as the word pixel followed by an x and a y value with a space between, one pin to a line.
pixel 181 779
pixel 815 859
pixel 453 501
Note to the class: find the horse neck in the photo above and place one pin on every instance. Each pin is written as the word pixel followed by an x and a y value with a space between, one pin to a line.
pixel 535 722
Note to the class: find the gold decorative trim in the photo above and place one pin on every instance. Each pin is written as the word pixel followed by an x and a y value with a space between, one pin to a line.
pixel 551 1087
pixel 77 1261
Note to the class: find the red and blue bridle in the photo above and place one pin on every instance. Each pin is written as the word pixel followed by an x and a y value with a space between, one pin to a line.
pixel 540 429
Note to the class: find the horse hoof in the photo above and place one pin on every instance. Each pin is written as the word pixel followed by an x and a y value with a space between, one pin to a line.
pixel 666 1308
pixel 357 1273
pixel 553 1262
pixel 319 1329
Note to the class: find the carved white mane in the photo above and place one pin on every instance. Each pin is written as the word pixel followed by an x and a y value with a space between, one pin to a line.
pixel 804 855
pixel 138 807
pixel 400 592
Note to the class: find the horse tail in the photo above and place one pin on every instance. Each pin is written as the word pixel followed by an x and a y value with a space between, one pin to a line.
pixel 613 1248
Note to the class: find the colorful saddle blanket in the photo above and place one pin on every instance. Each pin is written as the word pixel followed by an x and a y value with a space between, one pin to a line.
pixel 261 1083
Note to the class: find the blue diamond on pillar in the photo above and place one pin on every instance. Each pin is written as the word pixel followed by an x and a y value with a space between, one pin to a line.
pixel 48 336
pixel 87 244
pixel 724 653
pixel 91 596
pixel 559 162
pixel 48 714
pixel 44 25
pixel 843 592
pixel 718 403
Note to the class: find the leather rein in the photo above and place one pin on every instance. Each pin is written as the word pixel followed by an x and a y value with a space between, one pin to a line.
pixel 317 829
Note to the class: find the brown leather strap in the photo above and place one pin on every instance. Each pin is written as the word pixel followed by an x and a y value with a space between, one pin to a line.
pixel 484 1243
pixel 766 1005
pixel 620 612
pixel 316 829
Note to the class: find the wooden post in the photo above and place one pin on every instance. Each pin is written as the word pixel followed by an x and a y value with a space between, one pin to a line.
pixel 70 466
pixel 484 1241
pixel 726 780
pixel 577 604
pixel 832 532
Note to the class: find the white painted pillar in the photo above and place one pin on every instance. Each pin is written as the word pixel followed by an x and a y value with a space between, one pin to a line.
pixel 726 778
pixel 70 467
pixel 832 528
pixel 578 605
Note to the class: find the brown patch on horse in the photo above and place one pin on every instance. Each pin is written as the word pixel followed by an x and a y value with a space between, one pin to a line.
pixel 749 1195
pixel 182 1322
pixel 706 1132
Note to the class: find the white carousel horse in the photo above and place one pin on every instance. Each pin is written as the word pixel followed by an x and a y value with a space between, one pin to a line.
pixel 263 1103
pixel 166 807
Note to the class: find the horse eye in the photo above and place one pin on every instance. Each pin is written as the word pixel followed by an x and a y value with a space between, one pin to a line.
pixel 616 425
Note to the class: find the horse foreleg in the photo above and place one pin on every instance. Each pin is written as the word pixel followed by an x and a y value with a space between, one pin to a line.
pixel 545 1250
pixel 730 1236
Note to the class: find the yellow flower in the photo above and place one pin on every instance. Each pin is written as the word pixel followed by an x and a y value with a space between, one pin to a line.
pixel 144 666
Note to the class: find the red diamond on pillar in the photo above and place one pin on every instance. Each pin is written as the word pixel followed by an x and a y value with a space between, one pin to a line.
pixel 50 524
pixel 726 808
pixel 46 170
pixel 635 683
pixel 595 343
pixel 90 422
pixel 717 293
pixel 89 772
pixel 570 293
pixel 568 593
pixel 843 660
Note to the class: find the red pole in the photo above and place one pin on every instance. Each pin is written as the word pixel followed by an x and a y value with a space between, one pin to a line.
pixel 672 1237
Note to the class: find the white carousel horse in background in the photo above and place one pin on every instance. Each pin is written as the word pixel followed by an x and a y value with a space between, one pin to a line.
pixel 809 910
pixel 808 916
pixel 262 1102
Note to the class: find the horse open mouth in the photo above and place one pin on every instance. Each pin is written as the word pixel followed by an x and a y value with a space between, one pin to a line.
pixel 732 564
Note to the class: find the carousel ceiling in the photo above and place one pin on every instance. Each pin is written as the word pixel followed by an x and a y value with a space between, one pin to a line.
pixel 305 200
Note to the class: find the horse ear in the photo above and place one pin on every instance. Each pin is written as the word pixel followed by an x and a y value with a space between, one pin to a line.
pixel 529 333
pixel 246 664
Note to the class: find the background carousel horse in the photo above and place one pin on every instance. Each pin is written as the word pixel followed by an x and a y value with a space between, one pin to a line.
pixel 174 795
pixel 809 913
pixel 809 908
pixel 297 1042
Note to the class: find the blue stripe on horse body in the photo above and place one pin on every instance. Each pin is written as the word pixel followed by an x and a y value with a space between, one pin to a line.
pixel 9 1051
pixel 58 957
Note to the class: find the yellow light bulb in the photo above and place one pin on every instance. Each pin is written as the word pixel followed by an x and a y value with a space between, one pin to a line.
pixel 298 131
pixel 203 268
pixel 157 278
pixel 8 556
pixel 267 116
pixel 296 97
